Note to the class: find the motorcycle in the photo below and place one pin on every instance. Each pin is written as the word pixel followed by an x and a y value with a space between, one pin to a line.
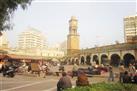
pixel 9 71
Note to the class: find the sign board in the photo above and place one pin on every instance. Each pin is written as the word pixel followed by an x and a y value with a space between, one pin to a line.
pixel 35 67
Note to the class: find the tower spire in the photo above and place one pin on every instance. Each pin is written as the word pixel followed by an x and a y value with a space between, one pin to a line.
pixel 73 37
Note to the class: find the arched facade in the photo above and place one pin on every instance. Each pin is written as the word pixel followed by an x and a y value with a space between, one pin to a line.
pixel 114 55
pixel 128 58
pixel 104 59
pixel 88 58
pixel 96 59
pixel 115 60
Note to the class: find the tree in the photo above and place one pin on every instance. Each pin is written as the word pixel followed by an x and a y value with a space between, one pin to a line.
pixel 7 8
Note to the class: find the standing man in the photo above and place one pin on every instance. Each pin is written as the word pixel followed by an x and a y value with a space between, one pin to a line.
pixel 75 70
pixel 121 72
pixel 111 74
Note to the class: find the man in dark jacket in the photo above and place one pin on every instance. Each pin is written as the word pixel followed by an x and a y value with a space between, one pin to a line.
pixel 126 78
pixel 64 82
pixel 82 79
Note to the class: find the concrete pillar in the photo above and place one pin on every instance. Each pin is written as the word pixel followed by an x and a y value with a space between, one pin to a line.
pixel 85 57
pixel 109 57
pixel 135 51
pixel 91 58
pixel 99 58
pixel 121 55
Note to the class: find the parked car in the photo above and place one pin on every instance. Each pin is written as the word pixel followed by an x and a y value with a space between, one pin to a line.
pixel 94 71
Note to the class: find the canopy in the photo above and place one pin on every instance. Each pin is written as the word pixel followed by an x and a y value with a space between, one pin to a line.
pixel 21 57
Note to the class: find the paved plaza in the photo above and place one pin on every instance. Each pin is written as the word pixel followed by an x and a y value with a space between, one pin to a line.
pixel 35 83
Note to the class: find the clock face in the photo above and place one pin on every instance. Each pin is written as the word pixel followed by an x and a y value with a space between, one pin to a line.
pixel 73 23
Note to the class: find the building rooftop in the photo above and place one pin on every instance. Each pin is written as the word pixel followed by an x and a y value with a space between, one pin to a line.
pixel 131 16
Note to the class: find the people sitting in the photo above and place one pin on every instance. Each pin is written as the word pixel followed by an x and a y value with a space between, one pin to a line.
pixel 64 82
pixel 82 79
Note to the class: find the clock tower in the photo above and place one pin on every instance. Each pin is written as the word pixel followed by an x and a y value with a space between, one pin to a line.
pixel 73 37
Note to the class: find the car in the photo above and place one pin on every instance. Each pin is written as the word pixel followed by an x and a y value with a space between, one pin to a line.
pixel 88 71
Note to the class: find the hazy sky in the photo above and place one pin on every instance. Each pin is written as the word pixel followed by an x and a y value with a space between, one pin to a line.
pixel 99 22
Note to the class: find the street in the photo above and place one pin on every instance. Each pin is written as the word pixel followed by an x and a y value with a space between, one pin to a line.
pixel 24 83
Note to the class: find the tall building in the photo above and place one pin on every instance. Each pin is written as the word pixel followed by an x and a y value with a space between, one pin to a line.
pixel 73 37
pixel 31 39
pixel 4 41
pixel 130 28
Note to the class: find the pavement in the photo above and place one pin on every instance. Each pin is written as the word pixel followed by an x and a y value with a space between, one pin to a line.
pixel 35 83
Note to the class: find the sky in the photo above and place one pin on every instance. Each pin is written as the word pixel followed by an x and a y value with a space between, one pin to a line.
pixel 99 22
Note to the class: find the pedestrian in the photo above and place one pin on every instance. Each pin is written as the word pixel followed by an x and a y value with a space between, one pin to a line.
pixel 64 82
pixel 121 72
pixel 82 60
pixel 90 68
pixel 74 70
pixel 111 74
pixel 126 77
pixel 131 69
pixel 82 79
pixel 44 69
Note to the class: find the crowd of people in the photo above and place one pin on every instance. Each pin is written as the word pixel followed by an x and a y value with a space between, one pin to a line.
pixel 126 74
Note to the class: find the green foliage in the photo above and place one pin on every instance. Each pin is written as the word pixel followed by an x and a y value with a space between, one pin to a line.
pixel 106 87
pixel 7 8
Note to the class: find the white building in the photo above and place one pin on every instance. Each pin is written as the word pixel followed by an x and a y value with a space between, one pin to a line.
pixel 130 28
pixel 33 42
pixel 31 39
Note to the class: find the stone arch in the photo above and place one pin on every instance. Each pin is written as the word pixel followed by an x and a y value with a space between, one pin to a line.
pixel 104 59
pixel 96 59
pixel 128 58
pixel 88 59
pixel 82 60
pixel 115 60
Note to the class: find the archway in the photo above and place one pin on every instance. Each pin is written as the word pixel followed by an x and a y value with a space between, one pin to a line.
pixel 88 59
pixel 96 59
pixel 82 60
pixel 104 59
pixel 115 60
pixel 128 58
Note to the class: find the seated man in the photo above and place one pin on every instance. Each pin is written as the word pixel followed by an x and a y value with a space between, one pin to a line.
pixel 64 82
pixel 82 79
